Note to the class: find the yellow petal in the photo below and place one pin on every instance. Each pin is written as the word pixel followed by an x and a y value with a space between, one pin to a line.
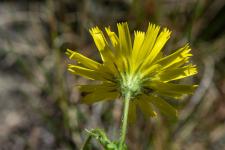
pixel 99 96
pixel 159 56
pixel 106 53
pixel 167 89
pixel 177 58
pixel 159 43
pixel 88 73
pixel 149 41
pixel 124 38
pixel 138 40
pixel 106 86
pixel 146 107
pixel 178 73
pixel 132 112
pixel 176 96
pixel 113 37
pixel 172 87
pixel 102 45
pixel 122 64
pixel 99 38
pixel 89 63
pixel 163 107
pixel 152 69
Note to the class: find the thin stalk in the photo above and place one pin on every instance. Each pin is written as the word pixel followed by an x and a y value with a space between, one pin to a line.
pixel 124 121
pixel 87 141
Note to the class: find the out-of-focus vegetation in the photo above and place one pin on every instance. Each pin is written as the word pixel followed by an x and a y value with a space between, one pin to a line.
pixel 39 101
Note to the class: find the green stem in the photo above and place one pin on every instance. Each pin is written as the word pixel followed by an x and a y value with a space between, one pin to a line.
pixel 124 121
pixel 87 141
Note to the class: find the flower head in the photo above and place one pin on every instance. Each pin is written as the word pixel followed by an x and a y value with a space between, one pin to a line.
pixel 139 69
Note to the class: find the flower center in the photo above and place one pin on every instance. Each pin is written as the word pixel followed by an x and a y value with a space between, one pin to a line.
pixel 130 84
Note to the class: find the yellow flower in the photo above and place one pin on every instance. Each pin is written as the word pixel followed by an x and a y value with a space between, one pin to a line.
pixel 139 69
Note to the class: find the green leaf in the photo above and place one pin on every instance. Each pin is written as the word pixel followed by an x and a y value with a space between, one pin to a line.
pixel 101 137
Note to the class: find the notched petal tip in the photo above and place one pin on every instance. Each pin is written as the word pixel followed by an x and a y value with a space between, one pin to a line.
pixel 122 23
pixel 195 86
pixel 154 115
pixel 69 52
pixel 153 27
pixel 191 70
pixel 139 33
pixel 113 37
pixel 94 30
pixel 71 70
pixel 167 30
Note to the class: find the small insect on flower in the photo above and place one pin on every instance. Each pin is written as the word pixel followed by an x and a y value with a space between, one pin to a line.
pixel 139 69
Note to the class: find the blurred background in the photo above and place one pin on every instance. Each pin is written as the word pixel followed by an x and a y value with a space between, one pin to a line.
pixel 39 101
